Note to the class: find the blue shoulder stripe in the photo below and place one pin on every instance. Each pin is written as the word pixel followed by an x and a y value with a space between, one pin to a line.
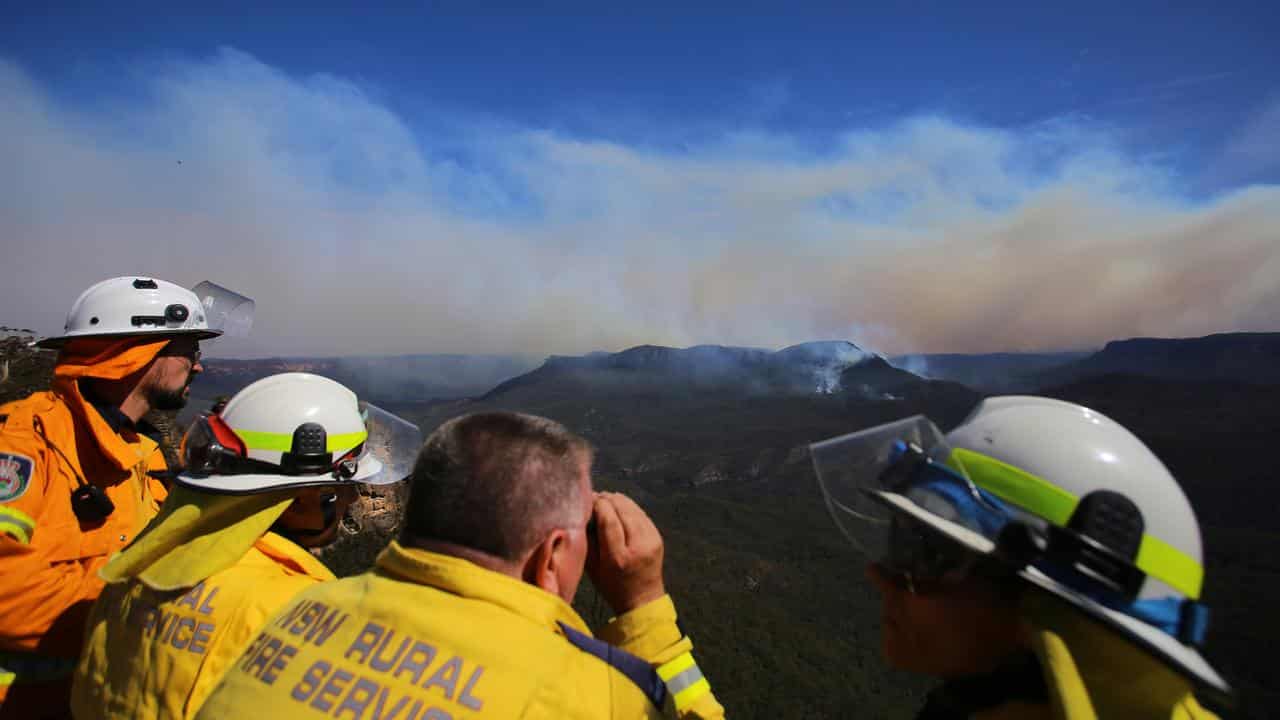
pixel 640 673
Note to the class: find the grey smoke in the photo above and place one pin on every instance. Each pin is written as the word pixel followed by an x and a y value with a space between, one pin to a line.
pixel 358 231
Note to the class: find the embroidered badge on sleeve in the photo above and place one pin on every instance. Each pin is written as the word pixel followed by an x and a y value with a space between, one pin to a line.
pixel 15 475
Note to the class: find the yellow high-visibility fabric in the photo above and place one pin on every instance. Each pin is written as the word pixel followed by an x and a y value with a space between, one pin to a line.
pixel 157 654
pixel 684 680
pixel 196 534
pixel 430 636
pixel 1093 672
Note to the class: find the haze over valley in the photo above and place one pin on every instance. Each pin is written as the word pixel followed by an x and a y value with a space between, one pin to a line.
pixel 703 238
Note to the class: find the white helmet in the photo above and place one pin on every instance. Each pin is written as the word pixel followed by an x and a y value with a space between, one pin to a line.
pixel 1071 499
pixel 296 430
pixel 129 306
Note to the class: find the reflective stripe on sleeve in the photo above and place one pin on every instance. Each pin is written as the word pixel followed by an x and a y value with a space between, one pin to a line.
pixel 17 523
pixel 684 680
pixel 18 668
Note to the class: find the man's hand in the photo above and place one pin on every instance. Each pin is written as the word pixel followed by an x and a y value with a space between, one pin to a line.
pixel 625 558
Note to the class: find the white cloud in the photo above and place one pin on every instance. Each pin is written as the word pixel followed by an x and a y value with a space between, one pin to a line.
pixel 357 235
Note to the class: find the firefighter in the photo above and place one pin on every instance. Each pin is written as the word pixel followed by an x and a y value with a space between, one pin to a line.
pixel 1039 559
pixel 78 471
pixel 468 613
pixel 264 481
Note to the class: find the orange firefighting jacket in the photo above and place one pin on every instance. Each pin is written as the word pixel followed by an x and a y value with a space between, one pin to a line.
pixel 51 444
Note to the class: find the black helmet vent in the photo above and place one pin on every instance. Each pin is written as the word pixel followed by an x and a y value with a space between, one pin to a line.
pixel 309 439
pixel 1110 519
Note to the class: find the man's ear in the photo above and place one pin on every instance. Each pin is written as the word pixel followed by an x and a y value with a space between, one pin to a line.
pixel 542 567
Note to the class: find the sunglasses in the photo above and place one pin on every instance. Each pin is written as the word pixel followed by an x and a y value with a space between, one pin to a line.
pixel 176 348
pixel 922 561
pixel 920 555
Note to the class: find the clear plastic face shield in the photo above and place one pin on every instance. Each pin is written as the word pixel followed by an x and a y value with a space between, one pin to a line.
pixel 217 460
pixel 393 443
pixel 225 310
pixel 893 496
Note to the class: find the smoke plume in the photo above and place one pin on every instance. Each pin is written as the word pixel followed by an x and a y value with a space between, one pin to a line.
pixel 360 231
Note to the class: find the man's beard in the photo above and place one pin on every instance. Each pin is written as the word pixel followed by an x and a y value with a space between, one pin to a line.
pixel 169 399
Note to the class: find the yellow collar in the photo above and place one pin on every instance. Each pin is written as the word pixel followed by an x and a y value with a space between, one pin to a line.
pixel 196 535
pixel 1089 665
pixel 287 552
pixel 466 579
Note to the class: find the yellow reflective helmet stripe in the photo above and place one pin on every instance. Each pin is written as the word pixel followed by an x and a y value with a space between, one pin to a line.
pixel 1014 485
pixel 1177 569
pixel 283 442
pixel 17 523
pixel 684 680
pixel 1036 495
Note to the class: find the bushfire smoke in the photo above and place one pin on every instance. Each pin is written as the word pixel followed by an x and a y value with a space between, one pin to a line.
pixel 361 231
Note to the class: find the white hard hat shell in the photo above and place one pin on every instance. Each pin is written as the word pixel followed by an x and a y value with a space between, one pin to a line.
pixel 265 414
pixel 1080 450
pixel 131 306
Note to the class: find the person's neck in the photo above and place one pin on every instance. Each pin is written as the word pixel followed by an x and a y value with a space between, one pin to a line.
pixel 124 394
pixel 477 557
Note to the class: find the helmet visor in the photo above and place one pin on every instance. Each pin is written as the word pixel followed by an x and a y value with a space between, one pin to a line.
pixel 390 449
pixel 225 310
pixel 893 497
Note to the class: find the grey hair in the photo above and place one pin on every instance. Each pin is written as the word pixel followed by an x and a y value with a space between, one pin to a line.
pixel 496 482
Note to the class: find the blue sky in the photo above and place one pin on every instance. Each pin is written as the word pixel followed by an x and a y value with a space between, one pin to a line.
pixel 689 170
pixel 1177 80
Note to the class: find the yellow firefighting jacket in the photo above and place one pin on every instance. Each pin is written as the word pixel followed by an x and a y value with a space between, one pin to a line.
pixel 1092 672
pixel 429 636
pixel 157 654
